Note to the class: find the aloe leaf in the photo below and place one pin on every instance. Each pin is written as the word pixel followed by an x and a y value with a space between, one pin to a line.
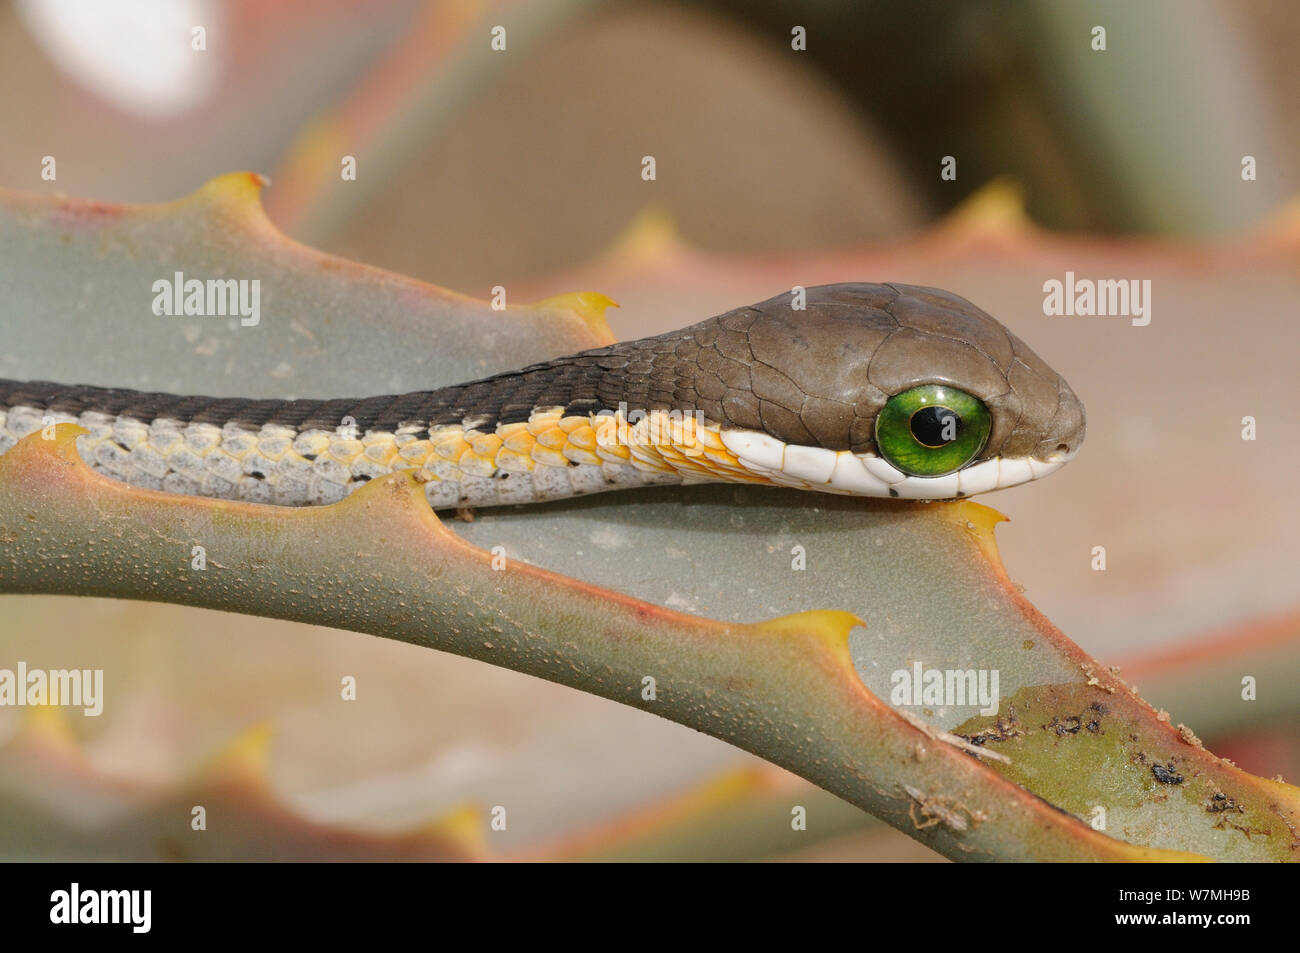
pixel 792 664
pixel 382 562
pixel 225 810
pixel 78 306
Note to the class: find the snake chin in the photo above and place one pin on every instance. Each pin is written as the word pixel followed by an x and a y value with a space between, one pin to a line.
pixel 866 474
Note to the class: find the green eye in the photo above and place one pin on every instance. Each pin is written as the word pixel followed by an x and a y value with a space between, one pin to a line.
pixel 932 430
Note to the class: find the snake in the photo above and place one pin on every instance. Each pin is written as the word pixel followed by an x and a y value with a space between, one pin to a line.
pixel 863 389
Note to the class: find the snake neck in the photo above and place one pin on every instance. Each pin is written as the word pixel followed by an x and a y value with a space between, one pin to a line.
pixel 301 453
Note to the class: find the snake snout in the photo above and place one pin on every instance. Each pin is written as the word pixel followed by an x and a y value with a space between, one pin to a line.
pixel 1066 430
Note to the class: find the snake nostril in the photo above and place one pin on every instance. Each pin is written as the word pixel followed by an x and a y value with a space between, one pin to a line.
pixel 1061 447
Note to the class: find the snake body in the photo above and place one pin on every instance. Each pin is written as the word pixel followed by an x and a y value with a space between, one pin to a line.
pixel 766 394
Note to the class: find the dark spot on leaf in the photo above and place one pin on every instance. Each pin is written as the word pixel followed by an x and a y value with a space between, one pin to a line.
pixel 1220 803
pixel 1003 730
pixel 1068 725
pixel 1166 774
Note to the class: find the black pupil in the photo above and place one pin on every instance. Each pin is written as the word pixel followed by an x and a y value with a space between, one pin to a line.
pixel 935 426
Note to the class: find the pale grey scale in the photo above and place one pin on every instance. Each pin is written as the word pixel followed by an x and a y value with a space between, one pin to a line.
pixel 541 484
pixel 201 460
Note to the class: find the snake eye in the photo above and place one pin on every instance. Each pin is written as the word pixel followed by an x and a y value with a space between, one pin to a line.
pixel 932 430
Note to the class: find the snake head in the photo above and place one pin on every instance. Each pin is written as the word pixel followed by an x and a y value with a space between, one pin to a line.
pixel 883 390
